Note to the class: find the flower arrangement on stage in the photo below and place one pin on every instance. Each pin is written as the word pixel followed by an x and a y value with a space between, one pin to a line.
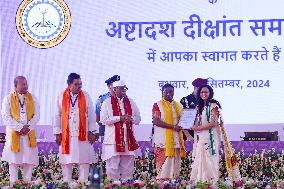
pixel 263 169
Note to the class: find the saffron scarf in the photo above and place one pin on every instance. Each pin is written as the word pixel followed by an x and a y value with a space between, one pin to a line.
pixel 65 119
pixel 231 160
pixel 119 130
pixel 170 149
pixel 15 113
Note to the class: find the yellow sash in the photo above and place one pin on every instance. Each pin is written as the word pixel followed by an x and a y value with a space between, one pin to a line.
pixel 15 113
pixel 231 160
pixel 170 149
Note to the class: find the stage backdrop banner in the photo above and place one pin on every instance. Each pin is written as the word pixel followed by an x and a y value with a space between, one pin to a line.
pixel 237 45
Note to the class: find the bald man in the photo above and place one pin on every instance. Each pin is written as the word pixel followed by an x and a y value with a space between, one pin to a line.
pixel 20 113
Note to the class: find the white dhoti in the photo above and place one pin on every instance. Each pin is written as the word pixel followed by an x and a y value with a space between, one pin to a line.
pixel 120 166
pixel 27 157
pixel 27 172
pixel 81 153
pixel 83 172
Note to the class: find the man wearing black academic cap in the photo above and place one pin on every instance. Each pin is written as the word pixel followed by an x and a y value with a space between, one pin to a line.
pixel 102 98
pixel 190 101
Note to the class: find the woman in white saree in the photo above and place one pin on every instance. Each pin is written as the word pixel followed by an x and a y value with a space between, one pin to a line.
pixel 209 128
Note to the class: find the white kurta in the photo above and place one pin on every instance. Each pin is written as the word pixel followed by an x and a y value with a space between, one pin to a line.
pixel 107 118
pixel 159 136
pixel 81 152
pixel 27 154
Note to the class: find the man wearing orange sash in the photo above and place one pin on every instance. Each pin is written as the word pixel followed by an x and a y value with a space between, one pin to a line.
pixel 119 114
pixel 168 137
pixel 20 113
pixel 74 128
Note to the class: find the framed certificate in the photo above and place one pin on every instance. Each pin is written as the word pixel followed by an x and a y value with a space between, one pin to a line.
pixel 187 118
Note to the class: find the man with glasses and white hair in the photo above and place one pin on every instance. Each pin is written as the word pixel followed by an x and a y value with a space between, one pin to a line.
pixel 119 113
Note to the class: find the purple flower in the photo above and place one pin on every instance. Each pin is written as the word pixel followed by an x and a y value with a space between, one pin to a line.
pixel 49 184
pixel 239 183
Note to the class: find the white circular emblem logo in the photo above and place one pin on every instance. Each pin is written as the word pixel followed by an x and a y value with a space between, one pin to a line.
pixel 43 23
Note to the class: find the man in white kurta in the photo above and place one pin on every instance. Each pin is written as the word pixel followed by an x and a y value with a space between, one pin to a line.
pixel 26 156
pixel 119 165
pixel 79 151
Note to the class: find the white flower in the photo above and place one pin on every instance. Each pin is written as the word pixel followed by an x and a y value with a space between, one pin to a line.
pixel 116 182
pixel 166 182
pixel 229 183
pixel 73 184
pixel 188 187
pixel 37 181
